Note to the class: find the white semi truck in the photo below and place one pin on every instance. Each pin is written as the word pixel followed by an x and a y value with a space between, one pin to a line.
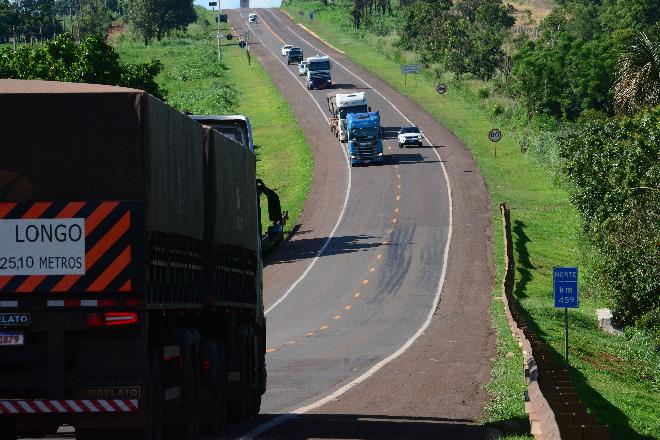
pixel 341 104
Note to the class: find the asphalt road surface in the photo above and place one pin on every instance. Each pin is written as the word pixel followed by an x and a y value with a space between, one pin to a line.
pixel 377 306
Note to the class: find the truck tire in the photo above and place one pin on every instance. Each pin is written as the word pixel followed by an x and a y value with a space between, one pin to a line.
pixel 214 408
pixel 256 367
pixel 8 429
pixel 239 403
pixel 153 429
pixel 185 425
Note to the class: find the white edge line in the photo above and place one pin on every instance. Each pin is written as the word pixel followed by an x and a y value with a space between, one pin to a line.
pixel 346 195
pixel 304 409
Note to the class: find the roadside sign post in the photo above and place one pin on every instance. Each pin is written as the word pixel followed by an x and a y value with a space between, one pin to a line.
pixel 441 89
pixel 247 46
pixel 494 136
pixel 217 3
pixel 407 69
pixel 565 286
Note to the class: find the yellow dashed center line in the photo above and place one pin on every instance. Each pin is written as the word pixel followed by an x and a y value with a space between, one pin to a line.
pixel 291 342
pixel 396 210
pixel 309 334
pixel 356 295
pixel 398 186
pixel 348 307
pixel 398 198
pixel 373 269
pixel 270 350
pixel 365 282
pixel 379 256
pixel 393 220
pixel 323 327
pixel 386 242
pixel 337 317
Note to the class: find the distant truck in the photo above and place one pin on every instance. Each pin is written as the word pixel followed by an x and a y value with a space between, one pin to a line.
pixel 252 18
pixel 294 55
pixel 341 104
pixel 130 269
pixel 319 72
pixel 365 143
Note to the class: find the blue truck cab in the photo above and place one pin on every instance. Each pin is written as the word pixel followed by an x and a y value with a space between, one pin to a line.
pixel 364 137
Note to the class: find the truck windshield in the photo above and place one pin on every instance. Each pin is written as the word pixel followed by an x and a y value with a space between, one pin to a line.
pixel 364 134
pixel 352 109
pixel 318 65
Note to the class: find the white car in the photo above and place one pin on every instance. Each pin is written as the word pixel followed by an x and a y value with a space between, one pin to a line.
pixel 302 68
pixel 285 49
pixel 252 18
pixel 409 136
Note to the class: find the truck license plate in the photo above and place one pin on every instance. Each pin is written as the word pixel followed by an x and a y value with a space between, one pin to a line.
pixel 11 338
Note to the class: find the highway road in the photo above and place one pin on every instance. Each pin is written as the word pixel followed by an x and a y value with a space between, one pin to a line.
pixel 377 305
pixel 377 308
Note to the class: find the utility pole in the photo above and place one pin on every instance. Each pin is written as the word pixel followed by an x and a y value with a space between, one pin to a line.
pixel 219 53
pixel 247 46
pixel 217 19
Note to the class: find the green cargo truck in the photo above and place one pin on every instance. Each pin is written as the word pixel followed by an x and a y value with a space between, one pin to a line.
pixel 130 267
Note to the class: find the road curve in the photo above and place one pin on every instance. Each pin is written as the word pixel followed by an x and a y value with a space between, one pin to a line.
pixel 375 285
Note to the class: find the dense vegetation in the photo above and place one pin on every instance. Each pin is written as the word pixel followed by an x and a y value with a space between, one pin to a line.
pixel 90 61
pixel 30 20
pixel 583 92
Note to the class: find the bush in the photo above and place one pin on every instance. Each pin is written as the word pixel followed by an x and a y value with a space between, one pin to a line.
pixel 615 167
pixel 91 61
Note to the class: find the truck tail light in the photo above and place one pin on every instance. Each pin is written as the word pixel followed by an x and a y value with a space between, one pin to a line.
pixel 110 319
pixel 120 318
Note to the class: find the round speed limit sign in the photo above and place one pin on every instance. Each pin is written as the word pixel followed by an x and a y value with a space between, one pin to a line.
pixel 494 135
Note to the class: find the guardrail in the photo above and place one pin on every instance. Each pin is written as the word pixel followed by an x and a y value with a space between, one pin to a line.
pixel 551 402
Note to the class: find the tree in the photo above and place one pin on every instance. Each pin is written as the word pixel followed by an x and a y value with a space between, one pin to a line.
pixel 91 61
pixel 155 19
pixel 638 76
pixel 174 15
pixel 614 164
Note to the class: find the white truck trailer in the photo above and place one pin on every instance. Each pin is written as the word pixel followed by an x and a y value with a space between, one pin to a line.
pixel 341 104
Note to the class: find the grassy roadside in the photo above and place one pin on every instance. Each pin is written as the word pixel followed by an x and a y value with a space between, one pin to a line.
pixel 197 83
pixel 611 379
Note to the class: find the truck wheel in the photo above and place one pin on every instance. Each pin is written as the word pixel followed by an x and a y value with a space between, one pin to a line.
pixel 8 429
pixel 238 407
pixel 214 406
pixel 256 367
pixel 154 424
pixel 186 421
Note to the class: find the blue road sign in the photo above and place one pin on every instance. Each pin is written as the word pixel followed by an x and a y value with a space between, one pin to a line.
pixel 565 282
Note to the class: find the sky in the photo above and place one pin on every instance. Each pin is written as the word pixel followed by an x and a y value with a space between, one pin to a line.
pixel 233 4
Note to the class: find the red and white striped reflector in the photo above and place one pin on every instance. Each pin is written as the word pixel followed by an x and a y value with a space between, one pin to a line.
pixel 67 406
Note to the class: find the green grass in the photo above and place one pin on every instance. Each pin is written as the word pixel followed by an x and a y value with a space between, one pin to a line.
pixel 196 82
pixel 611 381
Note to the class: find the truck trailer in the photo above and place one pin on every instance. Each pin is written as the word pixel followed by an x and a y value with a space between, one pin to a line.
pixel 130 268
pixel 365 143
pixel 340 104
